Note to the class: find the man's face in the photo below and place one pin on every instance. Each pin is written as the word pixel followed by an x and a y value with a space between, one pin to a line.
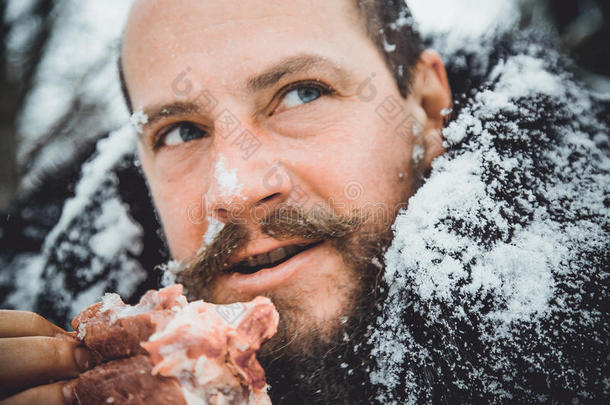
pixel 256 105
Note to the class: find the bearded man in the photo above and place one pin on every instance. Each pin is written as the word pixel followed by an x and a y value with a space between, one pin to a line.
pixel 279 142
pixel 295 87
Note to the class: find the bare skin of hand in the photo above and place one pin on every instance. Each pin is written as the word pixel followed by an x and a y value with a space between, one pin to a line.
pixel 38 360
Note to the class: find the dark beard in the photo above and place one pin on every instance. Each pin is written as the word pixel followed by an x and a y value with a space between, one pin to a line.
pixel 321 368
pixel 327 363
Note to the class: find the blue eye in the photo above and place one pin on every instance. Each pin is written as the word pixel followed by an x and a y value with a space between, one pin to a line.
pixel 301 95
pixel 182 133
pixel 308 94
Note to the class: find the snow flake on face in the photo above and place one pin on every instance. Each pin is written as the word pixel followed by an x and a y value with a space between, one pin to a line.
pixel 388 47
pixel 137 120
pixel 227 179
pixel 214 228
pixel 418 154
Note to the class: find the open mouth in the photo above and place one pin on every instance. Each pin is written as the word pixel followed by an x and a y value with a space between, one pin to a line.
pixel 269 259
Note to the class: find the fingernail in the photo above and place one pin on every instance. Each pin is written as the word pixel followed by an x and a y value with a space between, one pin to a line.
pixel 68 392
pixel 83 358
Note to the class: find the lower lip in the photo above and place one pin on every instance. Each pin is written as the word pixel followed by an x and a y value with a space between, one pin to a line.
pixel 272 277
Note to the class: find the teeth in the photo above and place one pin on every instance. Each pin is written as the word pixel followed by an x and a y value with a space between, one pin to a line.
pixel 261 259
pixel 291 250
pixel 252 264
pixel 273 256
pixel 277 254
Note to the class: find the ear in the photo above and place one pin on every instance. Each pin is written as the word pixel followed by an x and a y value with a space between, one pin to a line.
pixel 433 95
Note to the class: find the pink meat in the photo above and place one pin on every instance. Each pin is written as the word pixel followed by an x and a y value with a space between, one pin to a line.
pixel 207 350
pixel 127 382
pixel 114 329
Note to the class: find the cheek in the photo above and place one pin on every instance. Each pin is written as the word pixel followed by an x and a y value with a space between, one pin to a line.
pixel 353 163
pixel 180 205
pixel 378 165
pixel 182 219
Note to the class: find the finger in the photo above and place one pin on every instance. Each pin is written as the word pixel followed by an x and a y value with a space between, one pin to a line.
pixel 33 360
pixel 23 323
pixel 59 393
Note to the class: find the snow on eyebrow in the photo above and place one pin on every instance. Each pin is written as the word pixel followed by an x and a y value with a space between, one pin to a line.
pixel 227 179
pixel 138 119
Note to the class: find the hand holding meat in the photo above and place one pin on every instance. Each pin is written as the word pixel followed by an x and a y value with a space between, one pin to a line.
pixel 38 360
pixel 165 350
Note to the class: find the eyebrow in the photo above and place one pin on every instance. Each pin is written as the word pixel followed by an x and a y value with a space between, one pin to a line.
pixel 155 114
pixel 292 65
pixel 268 78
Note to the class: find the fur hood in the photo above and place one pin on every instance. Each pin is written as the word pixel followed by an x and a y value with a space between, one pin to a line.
pixel 497 276
pixel 498 272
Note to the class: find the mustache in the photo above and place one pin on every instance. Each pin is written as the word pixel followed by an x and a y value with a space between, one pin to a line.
pixel 285 222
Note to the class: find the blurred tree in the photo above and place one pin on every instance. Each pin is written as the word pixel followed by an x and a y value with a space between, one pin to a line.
pixel 584 29
pixel 18 65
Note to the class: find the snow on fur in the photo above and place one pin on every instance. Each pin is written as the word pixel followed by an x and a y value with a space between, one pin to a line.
pixel 497 274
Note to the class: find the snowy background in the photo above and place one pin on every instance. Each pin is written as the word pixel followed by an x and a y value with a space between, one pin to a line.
pixel 75 95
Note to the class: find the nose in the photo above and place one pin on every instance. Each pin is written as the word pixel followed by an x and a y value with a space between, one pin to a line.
pixel 246 190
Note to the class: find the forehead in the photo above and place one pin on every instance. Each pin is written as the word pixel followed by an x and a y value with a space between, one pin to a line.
pixel 229 39
pixel 212 22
